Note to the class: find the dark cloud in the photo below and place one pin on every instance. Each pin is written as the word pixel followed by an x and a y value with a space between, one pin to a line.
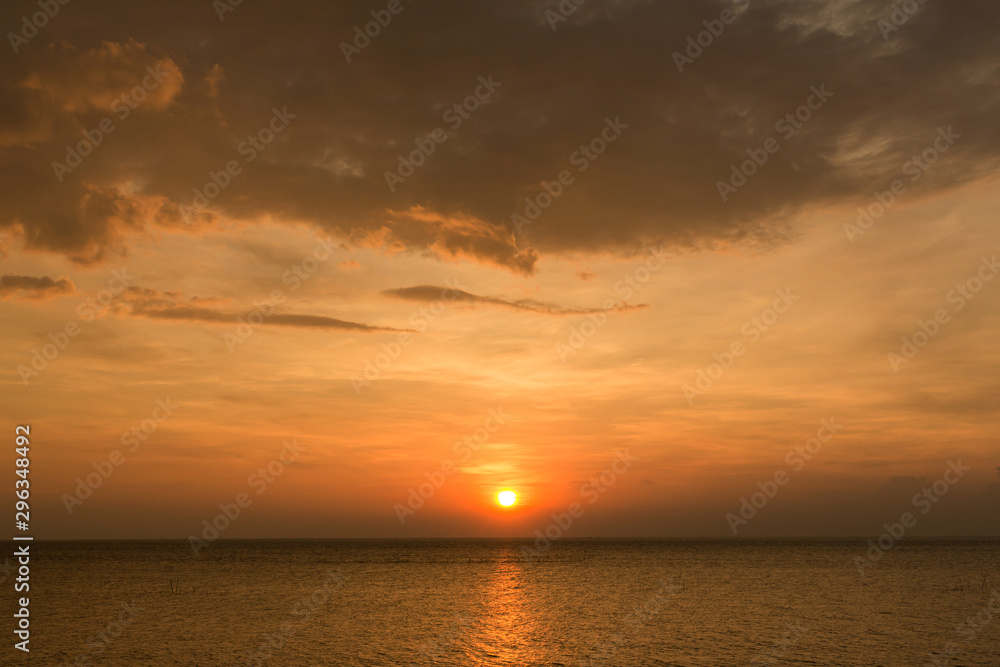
pixel 144 302
pixel 430 293
pixel 34 287
pixel 656 184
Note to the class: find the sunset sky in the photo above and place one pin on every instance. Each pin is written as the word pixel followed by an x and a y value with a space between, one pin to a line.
pixel 576 248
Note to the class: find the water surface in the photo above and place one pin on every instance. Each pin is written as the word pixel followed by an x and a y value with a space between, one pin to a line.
pixel 480 602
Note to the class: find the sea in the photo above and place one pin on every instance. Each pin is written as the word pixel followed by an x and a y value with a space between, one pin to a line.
pixel 589 602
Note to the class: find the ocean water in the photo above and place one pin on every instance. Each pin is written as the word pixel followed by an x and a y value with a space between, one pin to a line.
pixel 482 602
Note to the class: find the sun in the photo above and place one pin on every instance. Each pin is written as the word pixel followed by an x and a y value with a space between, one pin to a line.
pixel 507 498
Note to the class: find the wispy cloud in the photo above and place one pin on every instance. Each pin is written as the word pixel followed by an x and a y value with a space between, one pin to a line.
pixel 34 287
pixel 154 304
pixel 429 293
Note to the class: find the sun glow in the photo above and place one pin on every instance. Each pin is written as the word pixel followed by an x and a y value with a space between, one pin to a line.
pixel 507 498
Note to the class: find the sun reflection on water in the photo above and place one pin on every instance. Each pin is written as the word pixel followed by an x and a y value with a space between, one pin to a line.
pixel 506 634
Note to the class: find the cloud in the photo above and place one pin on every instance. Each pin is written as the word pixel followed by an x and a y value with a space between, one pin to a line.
pixel 154 304
pixel 998 471
pixel 655 185
pixel 452 236
pixel 429 293
pixel 66 91
pixel 103 78
pixel 32 287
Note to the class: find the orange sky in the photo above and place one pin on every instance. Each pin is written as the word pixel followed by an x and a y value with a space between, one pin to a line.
pixel 383 331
